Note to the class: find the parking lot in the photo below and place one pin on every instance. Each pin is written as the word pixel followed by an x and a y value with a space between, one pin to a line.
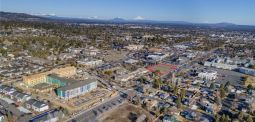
pixel 91 115
pixel 224 76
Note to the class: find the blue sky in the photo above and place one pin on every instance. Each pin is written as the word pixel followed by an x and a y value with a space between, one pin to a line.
pixel 200 11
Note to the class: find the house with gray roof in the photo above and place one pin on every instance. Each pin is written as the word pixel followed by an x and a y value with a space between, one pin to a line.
pixel 20 97
pixel 7 89
pixel 48 116
pixel 36 105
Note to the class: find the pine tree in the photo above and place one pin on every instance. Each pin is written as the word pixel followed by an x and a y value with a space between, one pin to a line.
pixel 183 93
pixel 222 92
pixel 240 115
pixel 178 102
pixel 223 118
pixel 217 100
pixel 227 118
pixel 175 90
pixel 217 118
pixel 249 119
pixel 212 86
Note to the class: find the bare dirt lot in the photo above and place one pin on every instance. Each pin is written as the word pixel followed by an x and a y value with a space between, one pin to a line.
pixel 124 113
pixel 250 80
pixel 115 55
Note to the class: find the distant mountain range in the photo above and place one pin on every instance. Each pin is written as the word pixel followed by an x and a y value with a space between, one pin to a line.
pixel 54 18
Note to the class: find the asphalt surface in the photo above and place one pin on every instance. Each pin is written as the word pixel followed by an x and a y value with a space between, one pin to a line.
pixel 92 114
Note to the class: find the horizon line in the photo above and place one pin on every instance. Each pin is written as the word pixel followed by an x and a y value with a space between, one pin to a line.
pixel 125 19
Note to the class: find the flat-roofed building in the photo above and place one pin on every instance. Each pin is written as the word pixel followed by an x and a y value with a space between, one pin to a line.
pixel 90 63
pixel 58 81
pixel 32 80
pixel 65 71
pixel 247 71
pixel 35 79
pixel 76 88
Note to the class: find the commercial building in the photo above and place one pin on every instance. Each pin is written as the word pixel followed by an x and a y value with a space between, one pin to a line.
pixel 56 80
pixel 90 63
pixel 137 73
pixel 220 65
pixel 76 88
pixel 247 71
pixel 208 75
pixel 134 47
pixel 157 56
pixel 35 79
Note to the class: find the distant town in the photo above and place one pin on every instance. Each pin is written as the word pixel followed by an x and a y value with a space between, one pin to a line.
pixel 63 70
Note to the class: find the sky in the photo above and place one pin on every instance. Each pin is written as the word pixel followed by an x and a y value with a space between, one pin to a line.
pixel 197 11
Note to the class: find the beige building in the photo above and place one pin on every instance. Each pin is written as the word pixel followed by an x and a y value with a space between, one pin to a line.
pixel 35 79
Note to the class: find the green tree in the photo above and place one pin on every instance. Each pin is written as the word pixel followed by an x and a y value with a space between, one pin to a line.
pixel 217 118
pixel 249 119
pixel 253 67
pixel 249 86
pixel 212 86
pixel 223 118
pixel 157 83
pixel 217 100
pixel 175 90
pixel 138 100
pixel 109 72
pixel 240 115
pixel 163 110
pixel 178 102
pixel 9 116
pixel 227 119
pixel 227 86
pixel 222 92
pixel 143 79
pixel 183 93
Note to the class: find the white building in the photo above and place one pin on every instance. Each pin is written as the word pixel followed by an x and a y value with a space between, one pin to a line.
pixel 157 56
pixel 132 75
pixel 180 46
pixel 1 117
pixel 90 63
pixel 208 75
pixel 36 105
pixel 134 47
pixel 131 61
pixel 220 65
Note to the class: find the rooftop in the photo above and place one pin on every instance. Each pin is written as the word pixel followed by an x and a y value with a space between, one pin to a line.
pixel 77 84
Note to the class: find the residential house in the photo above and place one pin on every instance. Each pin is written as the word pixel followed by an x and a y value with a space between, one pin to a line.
pixel 48 116
pixel 20 97
pixel 208 75
pixel 7 89
pixel 36 105
pixel 1 117
pixel 169 118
